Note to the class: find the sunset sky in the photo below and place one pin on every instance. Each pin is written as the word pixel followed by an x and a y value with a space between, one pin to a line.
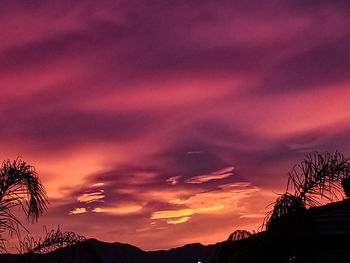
pixel 161 123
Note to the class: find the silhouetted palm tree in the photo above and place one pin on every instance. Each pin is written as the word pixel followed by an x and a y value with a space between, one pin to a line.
pixel 21 188
pixel 318 177
pixel 31 250
pixel 289 235
pixel 53 240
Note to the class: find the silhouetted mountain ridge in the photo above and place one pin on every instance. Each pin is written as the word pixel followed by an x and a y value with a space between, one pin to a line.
pixel 93 250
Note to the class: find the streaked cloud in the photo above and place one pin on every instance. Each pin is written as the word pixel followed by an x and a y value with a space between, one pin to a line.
pixel 221 174
pixel 98 184
pixel 178 221
pixel 173 180
pixel 226 198
pixel 172 214
pixel 78 210
pixel 91 197
pixel 262 215
pixel 120 210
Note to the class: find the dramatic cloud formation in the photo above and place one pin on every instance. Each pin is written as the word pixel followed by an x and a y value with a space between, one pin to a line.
pixel 160 123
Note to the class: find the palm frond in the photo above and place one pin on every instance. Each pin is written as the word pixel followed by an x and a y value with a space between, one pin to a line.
pixel 285 206
pixel 53 240
pixel 318 176
pixel 239 235
pixel 20 187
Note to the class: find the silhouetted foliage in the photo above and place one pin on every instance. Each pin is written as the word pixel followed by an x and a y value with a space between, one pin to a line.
pixel 318 177
pixel 346 186
pixel 239 235
pixel 20 187
pixel 31 249
pixel 285 206
pixel 233 243
pixel 290 235
pixel 53 240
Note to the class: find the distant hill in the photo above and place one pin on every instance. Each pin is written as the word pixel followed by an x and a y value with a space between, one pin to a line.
pixel 94 251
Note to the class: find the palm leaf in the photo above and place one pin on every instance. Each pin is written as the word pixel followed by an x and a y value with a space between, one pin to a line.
pixel 20 187
pixel 318 177
pixel 53 240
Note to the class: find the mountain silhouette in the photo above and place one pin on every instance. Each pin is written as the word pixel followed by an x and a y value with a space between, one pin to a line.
pixel 95 251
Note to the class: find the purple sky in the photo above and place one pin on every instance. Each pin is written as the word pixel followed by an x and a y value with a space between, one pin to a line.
pixel 160 123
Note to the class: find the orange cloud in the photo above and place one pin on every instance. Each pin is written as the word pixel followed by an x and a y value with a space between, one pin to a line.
pixel 121 210
pixel 172 213
pixel 178 221
pixel 79 210
pixel 227 198
pixel 91 197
